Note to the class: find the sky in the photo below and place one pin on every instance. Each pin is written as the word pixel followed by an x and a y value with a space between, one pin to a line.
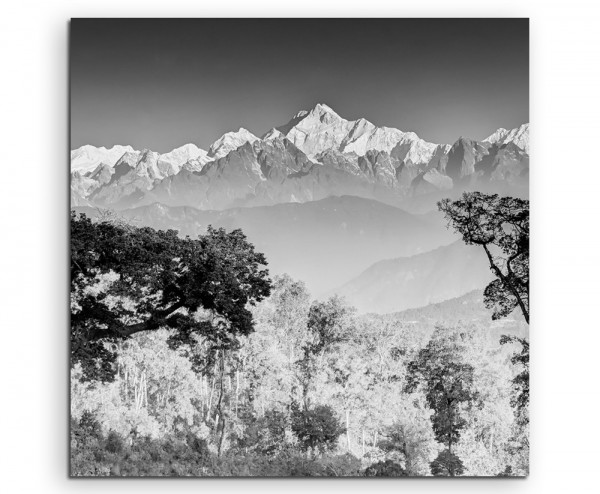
pixel 161 83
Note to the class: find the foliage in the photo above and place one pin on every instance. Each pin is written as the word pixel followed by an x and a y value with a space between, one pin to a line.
pixel 155 389
pixel 410 439
pixel 126 280
pixel 176 455
pixel 114 442
pixel 265 434
pixel 387 468
pixel 328 324
pixel 86 440
pixel 518 443
pixel 482 443
pixel 316 429
pixel 501 226
pixel 521 380
pixel 447 464
pixel 447 381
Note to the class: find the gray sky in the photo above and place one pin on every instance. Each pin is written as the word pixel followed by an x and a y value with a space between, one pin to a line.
pixel 160 83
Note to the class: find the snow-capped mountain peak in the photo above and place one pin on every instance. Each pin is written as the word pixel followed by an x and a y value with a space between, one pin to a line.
pixel 497 136
pixel 230 141
pixel 322 129
pixel 171 163
pixel 518 136
pixel 322 108
pixel 318 110
pixel 88 157
pixel 184 153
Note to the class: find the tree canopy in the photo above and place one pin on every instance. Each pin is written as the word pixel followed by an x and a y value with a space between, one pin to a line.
pixel 501 226
pixel 447 381
pixel 125 280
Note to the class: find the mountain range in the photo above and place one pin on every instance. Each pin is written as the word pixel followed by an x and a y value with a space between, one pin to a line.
pixel 317 154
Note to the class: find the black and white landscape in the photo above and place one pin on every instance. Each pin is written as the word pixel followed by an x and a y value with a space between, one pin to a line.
pixel 322 296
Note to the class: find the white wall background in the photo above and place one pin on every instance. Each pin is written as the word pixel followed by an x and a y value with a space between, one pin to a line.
pixel 565 185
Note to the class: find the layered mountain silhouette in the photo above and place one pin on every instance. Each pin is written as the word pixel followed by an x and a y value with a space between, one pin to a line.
pixel 324 243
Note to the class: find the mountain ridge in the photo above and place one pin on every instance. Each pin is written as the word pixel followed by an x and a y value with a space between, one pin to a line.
pixel 408 282
pixel 316 154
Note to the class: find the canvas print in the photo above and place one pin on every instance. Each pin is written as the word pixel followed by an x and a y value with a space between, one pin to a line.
pixel 299 247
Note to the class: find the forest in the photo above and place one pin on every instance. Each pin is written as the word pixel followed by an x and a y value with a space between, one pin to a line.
pixel 189 359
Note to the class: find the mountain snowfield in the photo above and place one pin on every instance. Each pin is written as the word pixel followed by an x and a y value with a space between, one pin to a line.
pixel 330 201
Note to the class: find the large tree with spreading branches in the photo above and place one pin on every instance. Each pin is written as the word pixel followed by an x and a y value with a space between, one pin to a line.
pixel 125 280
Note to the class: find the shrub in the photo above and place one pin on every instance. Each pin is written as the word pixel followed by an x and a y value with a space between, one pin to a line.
pixel 387 468
pixel 114 442
pixel 316 429
pixel 447 464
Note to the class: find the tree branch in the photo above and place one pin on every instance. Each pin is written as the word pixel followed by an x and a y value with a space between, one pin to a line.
pixel 154 322
pixel 507 282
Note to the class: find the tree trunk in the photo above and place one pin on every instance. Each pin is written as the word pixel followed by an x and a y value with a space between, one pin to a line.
pixel 348 429
pixel 363 441
pixel 219 403
pixel 210 398
pixel 145 389
pixel 504 280
pixel 450 469
pixel 237 390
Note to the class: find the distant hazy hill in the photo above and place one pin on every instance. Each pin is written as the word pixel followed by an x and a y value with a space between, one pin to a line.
pixel 466 309
pixel 323 243
pixel 408 282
